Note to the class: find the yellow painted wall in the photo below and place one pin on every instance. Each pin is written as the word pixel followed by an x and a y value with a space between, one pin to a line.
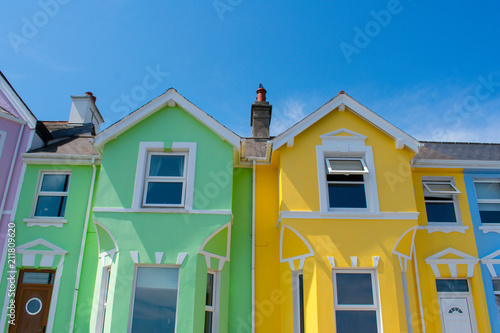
pixel 428 244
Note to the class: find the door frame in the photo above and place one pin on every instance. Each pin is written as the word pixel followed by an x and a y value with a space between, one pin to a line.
pixel 468 296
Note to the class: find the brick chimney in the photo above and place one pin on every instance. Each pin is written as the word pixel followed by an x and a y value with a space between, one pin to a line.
pixel 84 111
pixel 261 115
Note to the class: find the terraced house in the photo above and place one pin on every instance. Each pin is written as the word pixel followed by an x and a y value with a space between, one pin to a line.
pixel 167 221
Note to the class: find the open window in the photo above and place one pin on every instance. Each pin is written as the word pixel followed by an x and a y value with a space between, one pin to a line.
pixel 298 302
pixel 488 200
pixel 441 202
pixel 356 304
pixel 346 182
pixel 211 304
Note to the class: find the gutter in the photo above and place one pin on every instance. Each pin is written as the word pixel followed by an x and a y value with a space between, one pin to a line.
pixel 82 248
pixel 253 246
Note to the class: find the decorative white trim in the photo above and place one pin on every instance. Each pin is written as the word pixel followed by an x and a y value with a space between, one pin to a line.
pixel 158 103
pixel 331 260
pixel 375 260
pixel 347 215
pixel 490 260
pixel 354 262
pixel 208 255
pixel 180 258
pixel 57 159
pixel 428 163
pixel 302 257
pixel 356 108
pixel 12 118
pixel 490 228
pixel 54 250
pixel 158 257
pixel 445 228
pixel 57 222
pixel 135 256
pixel 466 259
pixel 160 210
pixel 346 146
pixel 110 253
pixel 18 104
pixel 402 255
pixel 142 161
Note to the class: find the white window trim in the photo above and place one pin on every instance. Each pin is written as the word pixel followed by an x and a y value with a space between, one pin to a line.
pixel 344 151
pixel 216 299
pixel 142 162
pixel 3 136
pixel 346 172
pixel 134 281
pixel 153 179
pixel 454 198
pixel 426 183
pixel 46 221
pixel 375 291
pixel 296 300
pixel 103 294
pixel 487 227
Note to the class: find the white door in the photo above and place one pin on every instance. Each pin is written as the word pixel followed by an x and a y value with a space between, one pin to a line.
pixel 455 314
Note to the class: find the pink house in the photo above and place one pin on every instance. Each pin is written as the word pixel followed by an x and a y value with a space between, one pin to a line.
pixel 18 133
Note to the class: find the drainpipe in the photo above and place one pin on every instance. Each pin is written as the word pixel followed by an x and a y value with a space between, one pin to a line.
pixel 253 247
pixel 82 248
pixel 418 289
pixel 11 171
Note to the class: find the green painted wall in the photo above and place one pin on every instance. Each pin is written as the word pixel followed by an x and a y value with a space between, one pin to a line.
pixel 240 292
pixel 68 237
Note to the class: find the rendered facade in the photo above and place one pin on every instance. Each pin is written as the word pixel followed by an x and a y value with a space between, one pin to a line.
pixel 167 221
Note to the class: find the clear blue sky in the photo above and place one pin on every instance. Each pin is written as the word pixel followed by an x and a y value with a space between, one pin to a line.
pixel 430 68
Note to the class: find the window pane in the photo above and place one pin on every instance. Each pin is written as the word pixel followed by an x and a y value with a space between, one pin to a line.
pixel 354 289
pixel 155 300
pixel 301 302
pixel 497 299
pixel 345 178
pixel 342 165
pixel 55 183
pixel 440 212
pixel 37 277
pixel 347 195
pixel 208 321
pixel 164 193
pixel 496 285
pixel 440 187
pixel 488 190
pixel 166 166
pixel 50 206
pixel 210 289
pixel 452 285
pixel 490 213
pixel 356 321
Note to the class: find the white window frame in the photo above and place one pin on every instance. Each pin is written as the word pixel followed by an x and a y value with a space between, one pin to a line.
pixel 444 194
pixel 495 293
pixel 103 298
pixel 486 201
pixel 158 179
pixel 145 148
pixel 134 285
pixel 297 322
pixel 346 172
pixel 215 301
pixel 362 307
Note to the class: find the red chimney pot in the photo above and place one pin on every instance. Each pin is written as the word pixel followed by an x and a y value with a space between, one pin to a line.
pixel 261 94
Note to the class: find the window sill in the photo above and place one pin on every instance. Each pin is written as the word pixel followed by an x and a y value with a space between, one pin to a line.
pixel 490 228
pixel 446 228
pixel 57 222
pixel 160 210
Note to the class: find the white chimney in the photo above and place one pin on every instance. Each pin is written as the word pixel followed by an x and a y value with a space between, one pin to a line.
pixel 84 111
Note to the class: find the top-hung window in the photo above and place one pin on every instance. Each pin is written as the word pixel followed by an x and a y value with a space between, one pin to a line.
pixel 165 182
pixel 346 180
pixel 441 201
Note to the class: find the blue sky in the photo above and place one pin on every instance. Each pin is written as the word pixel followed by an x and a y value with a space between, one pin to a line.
pixel 430 68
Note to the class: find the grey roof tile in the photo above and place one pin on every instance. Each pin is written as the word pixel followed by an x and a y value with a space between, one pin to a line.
pixel 458 151
pixel 70 146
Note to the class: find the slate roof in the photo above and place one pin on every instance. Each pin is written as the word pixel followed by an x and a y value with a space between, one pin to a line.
pixel 79 145
pixel 458 151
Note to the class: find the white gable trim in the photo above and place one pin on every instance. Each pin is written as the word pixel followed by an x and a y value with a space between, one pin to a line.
pixel 169 98
pixel 14 99
pixel 466 259
pixel 400 137
pixel 490 260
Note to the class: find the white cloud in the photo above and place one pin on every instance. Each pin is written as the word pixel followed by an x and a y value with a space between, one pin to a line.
pixel 286 114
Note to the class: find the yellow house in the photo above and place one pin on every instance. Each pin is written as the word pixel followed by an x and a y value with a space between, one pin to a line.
pixel 339 220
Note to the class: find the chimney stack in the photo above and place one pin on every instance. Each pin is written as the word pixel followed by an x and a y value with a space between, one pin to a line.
pixel 84 111
pixel 261 115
